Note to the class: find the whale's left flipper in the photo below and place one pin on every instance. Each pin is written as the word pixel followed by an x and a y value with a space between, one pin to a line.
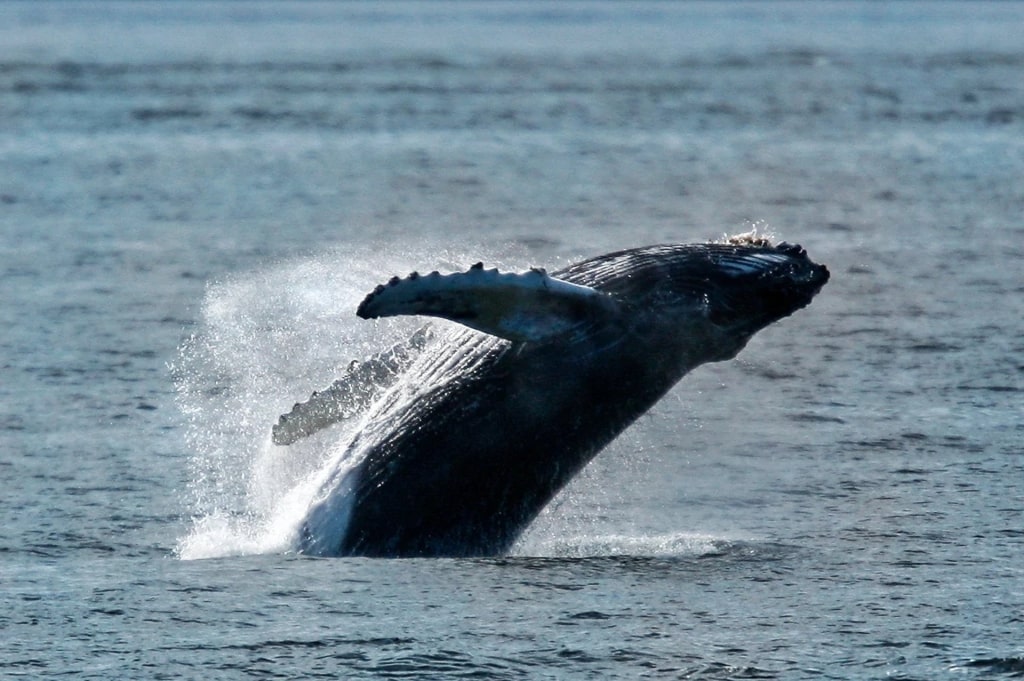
pixel 351 394
pixel 532 306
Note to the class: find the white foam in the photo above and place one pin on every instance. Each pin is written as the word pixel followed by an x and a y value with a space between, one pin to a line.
pixel 604 545
pixel 267 339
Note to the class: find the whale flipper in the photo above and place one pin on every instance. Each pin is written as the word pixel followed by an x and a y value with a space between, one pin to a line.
pixel 531 306
pixel 351 394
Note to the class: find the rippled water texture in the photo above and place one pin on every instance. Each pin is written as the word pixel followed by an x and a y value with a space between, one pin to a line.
pixel 195 196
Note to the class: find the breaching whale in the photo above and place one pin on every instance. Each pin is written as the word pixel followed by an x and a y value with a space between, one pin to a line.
pixel 487 425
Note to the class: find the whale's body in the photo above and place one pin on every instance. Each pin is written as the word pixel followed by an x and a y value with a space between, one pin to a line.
pixel 462 455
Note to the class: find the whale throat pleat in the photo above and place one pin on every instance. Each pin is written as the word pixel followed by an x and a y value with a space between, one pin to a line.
pixel 521 307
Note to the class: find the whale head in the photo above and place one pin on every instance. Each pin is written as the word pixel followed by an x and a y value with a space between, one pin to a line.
pixel 725 291
pixel 747 287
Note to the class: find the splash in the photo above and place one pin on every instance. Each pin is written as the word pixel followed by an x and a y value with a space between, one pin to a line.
pixel 759 233
pixel 266 340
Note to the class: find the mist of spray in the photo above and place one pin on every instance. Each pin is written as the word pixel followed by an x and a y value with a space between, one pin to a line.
pixel 265 340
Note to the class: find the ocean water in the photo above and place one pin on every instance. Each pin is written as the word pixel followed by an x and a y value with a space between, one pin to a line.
pixel 195 196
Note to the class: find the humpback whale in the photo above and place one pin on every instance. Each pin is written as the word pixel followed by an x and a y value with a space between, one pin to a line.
pixel 465 438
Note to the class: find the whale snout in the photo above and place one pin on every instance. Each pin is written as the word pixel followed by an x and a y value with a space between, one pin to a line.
pixel 803 268
pixel 758 285
pixel 798 272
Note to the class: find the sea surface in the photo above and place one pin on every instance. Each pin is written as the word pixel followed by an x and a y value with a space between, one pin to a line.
pixel 194 196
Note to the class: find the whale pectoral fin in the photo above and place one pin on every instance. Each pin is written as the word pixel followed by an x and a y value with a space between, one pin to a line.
pixel 351 394
pixel 531 306
pixel 323 408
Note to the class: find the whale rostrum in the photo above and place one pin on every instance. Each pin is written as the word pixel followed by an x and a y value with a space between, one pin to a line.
pixel 523 307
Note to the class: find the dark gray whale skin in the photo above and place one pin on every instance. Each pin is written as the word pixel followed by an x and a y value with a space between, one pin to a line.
pixel 463 469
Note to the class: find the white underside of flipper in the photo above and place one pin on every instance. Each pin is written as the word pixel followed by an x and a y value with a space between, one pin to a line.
pixel 528 307
pixel 351 394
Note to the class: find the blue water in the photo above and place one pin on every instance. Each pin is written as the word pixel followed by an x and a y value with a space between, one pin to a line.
pixel 195 196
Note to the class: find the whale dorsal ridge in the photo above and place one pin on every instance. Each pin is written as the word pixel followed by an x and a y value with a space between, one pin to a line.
pixel 530 306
